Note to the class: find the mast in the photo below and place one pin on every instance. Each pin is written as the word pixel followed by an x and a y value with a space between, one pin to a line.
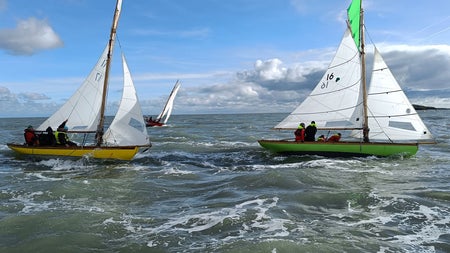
pixel 112 38
pixel 363 77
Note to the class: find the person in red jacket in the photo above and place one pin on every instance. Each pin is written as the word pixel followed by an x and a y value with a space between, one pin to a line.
pixel 335 138
pixel 30 136
pixel 300 133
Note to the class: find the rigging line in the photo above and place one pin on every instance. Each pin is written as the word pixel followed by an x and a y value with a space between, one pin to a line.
pixel 331 111
pixel 350 60
pixel 437 23
pixel 436 33
pixel 384 92
pixel 393 116
pixel 371 115
pixel 434 24
pixel 118 41
pixel 334 91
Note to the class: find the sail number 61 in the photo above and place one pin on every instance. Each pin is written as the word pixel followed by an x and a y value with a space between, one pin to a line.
pixel 329 77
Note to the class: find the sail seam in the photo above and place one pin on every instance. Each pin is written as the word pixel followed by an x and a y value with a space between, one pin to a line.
pixel 384 92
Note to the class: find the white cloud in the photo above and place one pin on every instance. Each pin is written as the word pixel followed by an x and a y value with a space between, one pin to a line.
pixel 271 85
pixel 30 36
pixel 31 96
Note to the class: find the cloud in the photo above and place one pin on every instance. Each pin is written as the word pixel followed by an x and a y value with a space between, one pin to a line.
pixel 273 87
pixel 24 105
pixel 30 36
pixel 30 96
pixel 270 85
pixel 420 67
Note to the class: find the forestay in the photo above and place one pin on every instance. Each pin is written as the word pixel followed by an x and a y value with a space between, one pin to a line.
pixel 336 101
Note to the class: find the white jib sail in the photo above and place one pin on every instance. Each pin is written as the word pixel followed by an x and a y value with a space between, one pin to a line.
pixel 128 126
pixel 167 110
pixel 83 108
pixel 336 101
pixel 391 116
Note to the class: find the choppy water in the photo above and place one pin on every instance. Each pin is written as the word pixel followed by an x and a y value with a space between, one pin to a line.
pixel 206 186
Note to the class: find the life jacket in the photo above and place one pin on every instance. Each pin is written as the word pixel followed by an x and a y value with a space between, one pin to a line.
pixel 30 136
pixel 334 138
pixel 61 137
pixel 299 134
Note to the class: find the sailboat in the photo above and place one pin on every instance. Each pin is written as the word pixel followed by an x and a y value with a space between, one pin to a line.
pixel 379 121
pixel 85 114
pixel 163 117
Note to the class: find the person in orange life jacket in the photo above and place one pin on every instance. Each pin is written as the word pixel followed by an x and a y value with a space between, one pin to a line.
pixel 61 135
pixel 322 138
pixel 335 138
pixel 30 136
pixel 300 133
pixel 310 132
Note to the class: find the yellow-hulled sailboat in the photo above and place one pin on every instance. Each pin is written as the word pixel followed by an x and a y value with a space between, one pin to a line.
pixel 85 112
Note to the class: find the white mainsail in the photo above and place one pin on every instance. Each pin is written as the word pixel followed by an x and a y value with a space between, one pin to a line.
pixel 83 108
pixel 336 101
pixel 128 126
pixel 391 116
pixel 167 110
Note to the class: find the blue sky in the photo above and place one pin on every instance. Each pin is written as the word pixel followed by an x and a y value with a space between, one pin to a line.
pixel 245 56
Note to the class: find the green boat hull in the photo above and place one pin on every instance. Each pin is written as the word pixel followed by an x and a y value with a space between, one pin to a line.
pixel 340 149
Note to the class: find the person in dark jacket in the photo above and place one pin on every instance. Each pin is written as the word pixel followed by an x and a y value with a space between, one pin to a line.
pixel 310 132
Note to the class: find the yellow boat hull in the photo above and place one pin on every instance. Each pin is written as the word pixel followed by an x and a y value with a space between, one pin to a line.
pixel 120 153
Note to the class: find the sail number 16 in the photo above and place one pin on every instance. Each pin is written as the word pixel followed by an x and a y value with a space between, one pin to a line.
pixel 329 78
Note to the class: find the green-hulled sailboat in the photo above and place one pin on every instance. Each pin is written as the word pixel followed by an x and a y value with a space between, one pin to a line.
pixel 379 122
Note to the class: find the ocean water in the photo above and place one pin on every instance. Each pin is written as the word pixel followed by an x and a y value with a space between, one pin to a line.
pixel 207 186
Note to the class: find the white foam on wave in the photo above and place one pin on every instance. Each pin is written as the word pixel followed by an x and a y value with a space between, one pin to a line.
pixel 198 222
pixel 434 224
pixel 65 164
pixel 176 171
pixel 29 203
pixel 420 227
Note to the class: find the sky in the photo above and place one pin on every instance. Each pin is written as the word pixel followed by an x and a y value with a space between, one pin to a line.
pixel 234 56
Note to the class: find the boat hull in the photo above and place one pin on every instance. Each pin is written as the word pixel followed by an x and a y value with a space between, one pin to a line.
pixel 340 149
pixel 120 153
pixel 153 124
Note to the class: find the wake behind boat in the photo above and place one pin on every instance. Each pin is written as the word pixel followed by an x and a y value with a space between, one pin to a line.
pixel 164 116
pixel 380 122
pixel 85 114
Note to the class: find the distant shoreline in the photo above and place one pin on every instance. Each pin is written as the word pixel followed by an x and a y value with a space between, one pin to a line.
pixel 422 107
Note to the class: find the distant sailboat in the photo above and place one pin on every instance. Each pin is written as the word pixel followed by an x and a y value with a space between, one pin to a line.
pixel 163 117
pixel 85 112
pixel 382 122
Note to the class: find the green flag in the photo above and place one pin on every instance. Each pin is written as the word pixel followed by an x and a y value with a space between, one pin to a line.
pixel 353 13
